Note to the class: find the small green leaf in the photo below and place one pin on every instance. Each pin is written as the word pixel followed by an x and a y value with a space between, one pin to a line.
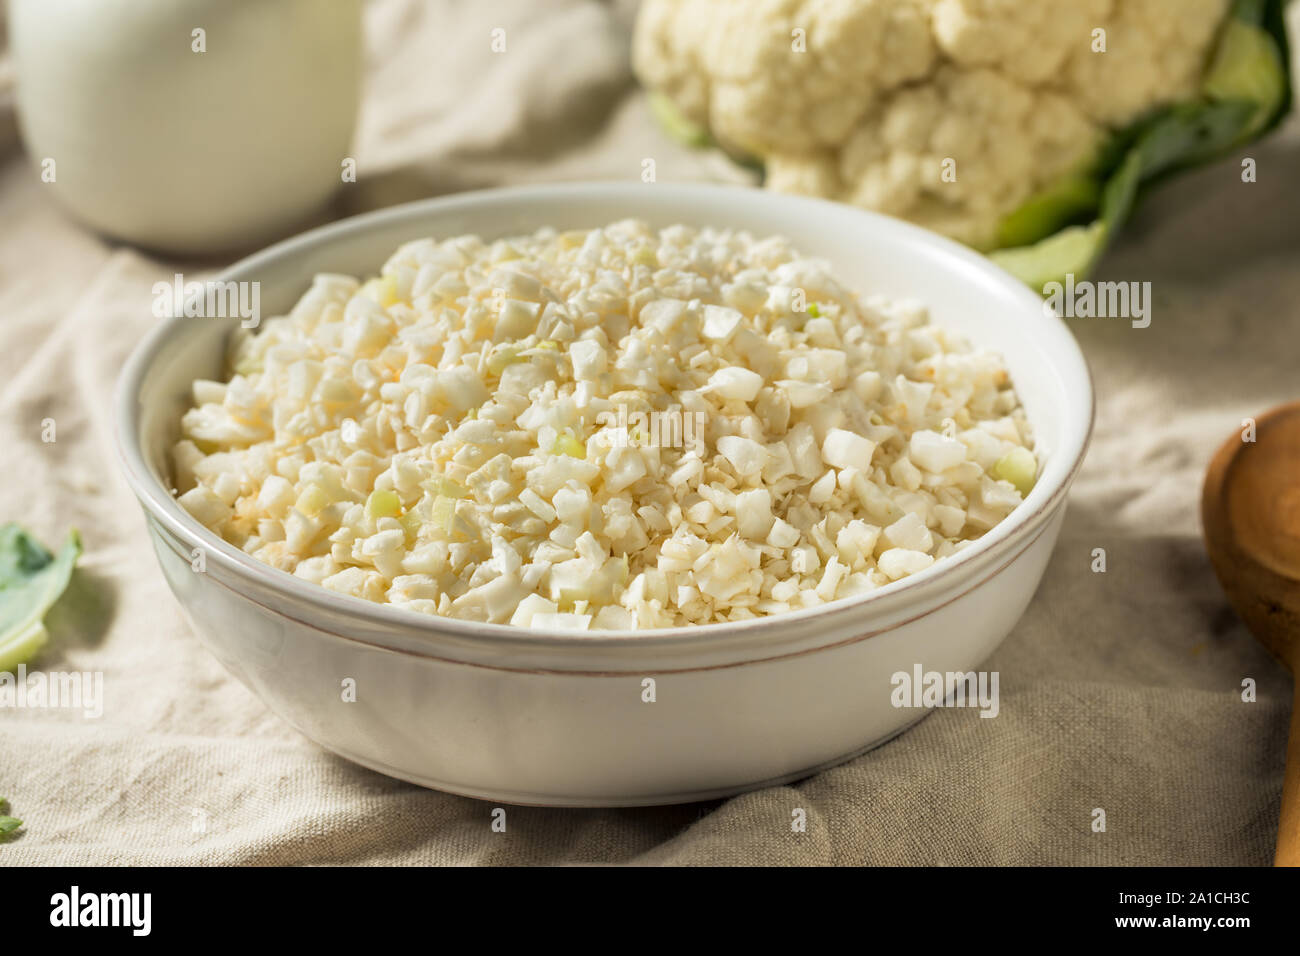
pixel 1050 211
pixel 31 580
pixel 1248 67
pixel 1071 251
pixel 7 824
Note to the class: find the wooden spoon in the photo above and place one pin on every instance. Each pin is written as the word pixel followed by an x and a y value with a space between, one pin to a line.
pixel 1250 509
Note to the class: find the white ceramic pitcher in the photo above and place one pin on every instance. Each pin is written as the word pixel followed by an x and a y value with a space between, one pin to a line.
pixel 189 126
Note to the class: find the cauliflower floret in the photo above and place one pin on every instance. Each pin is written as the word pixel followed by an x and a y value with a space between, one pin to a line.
pixel 1028 42
pixel 1159 56
pixel 941 154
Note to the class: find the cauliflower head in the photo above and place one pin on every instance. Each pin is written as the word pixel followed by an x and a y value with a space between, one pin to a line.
pixel 950 113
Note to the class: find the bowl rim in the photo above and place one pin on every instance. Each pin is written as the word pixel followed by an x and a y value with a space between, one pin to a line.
pixel 912 592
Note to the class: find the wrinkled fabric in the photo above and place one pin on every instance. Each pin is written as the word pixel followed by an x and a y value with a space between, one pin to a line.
pixel 1120 691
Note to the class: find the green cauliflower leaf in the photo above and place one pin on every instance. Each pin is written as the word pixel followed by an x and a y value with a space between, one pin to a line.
pixel 31 580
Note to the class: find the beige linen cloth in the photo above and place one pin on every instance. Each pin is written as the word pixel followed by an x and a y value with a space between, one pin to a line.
pixel 1120 691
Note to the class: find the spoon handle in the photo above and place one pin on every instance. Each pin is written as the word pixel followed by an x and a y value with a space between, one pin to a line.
pixel 1288 828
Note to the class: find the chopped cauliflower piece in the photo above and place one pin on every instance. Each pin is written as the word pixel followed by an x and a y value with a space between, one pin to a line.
pixel 935 452
pixel 900 562
pixel 845 449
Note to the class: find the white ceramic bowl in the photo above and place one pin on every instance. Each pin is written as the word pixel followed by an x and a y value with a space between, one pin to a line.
pixel 557 718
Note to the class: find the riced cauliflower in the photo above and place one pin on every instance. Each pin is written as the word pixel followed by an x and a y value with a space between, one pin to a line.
pixel 607 429
pixel 997 122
